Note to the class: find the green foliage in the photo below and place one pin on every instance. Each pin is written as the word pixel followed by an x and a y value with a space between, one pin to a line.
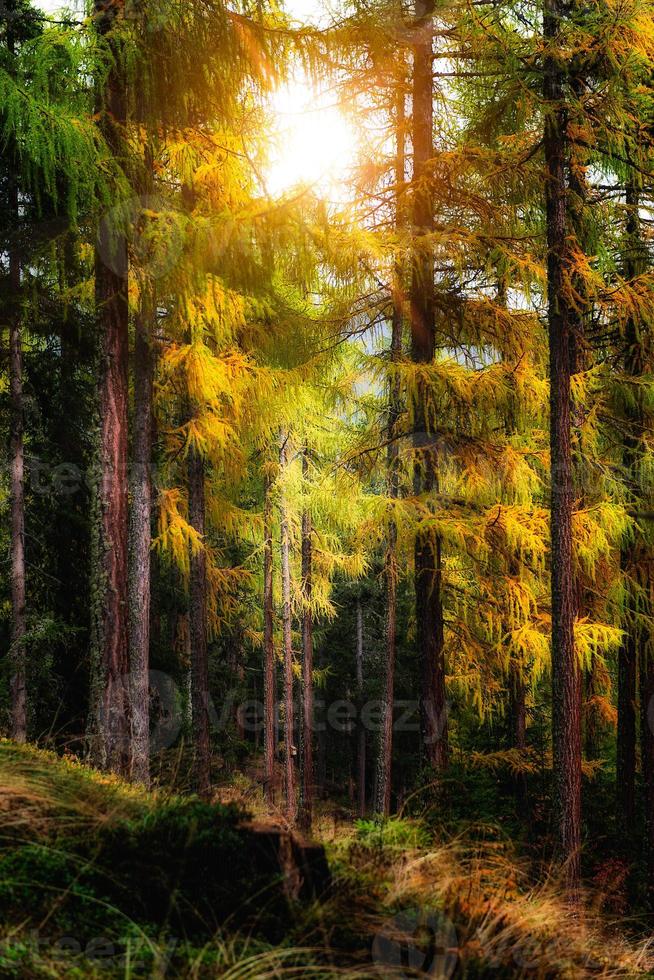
pixel 396 833
pixel 86 854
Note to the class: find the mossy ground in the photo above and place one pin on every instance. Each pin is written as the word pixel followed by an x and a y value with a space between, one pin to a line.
pixel 101 879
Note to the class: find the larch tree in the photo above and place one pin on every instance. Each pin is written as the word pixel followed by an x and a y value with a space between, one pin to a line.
pixel 109 713
pixel 428 548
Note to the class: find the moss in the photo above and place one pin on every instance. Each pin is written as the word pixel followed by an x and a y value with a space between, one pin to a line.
pixel 83 851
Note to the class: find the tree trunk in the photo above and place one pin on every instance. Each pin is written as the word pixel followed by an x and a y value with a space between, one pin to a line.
pixel 519 723
pixel 630 560
pixel 591 726
pixel 429 608
pixel 18 682
pixel 361 731
pixel 577 202
pixel 626 744
pixel 384 780
pixel 140 538
pixel 269 699
pixel 307 787
pixel 566 676
pixel 647 762
pixel 109 703
pixel 140 526
pixel 385 766
pixel 198 631
pixel 289 747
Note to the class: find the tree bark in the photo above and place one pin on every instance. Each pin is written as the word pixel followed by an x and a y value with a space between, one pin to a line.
pixel 429 608
pixel 109 722
pixel 591 726
pixel 626 739
pixel 647 762
pixel 289 726
pixel 269 699
pixel 140 527
pixel 385 761
pixel 140 538
pixel 631 560
pixel 18 681
pixel 577 203
pixel 519 723
pixel 198 631
pixel 566 676
pixel 307 787
pixel 361 731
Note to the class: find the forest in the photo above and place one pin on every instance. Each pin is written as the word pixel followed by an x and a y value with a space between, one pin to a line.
pixel 327 403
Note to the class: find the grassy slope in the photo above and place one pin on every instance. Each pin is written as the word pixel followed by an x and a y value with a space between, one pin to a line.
pixel 98 878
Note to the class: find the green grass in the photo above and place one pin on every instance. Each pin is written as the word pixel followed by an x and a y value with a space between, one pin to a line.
pixel 92 864
pixel 101 879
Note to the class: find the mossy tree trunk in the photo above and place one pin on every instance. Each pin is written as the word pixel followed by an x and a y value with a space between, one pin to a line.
pixel 198 630
pixel 18 679
pixel 140 540
pixel 109 722
pixel 140 526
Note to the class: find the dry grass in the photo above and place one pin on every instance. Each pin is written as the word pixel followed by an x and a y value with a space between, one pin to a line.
pixel 509 921
pixel 507 917
pixel 41 793
pixel 505 921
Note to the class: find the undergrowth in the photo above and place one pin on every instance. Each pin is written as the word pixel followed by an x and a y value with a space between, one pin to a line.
pixel 100 879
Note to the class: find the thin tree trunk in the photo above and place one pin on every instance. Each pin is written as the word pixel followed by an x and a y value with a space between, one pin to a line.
pixel 577 203
pixel 361 731
pixel 385 766
pixel 198 631
pixel 237 691
pixel 269 710
pixel 307 787
pixel 647 761
pixel 429 608
pixel 155 579
pixel 109 722
pixel 626 739
pixel 629 560
pixel 18 682
pixel 566 677
pixel 384 780
pixel 289 747
pixel 519 723
pixel 591 730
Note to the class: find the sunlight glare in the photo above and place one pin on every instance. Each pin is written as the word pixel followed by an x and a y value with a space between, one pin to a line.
pixel 315 145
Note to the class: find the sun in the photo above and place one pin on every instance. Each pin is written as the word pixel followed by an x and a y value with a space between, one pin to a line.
pixel 314 145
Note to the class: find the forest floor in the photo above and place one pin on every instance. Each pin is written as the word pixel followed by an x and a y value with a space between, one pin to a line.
pixel 99 879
